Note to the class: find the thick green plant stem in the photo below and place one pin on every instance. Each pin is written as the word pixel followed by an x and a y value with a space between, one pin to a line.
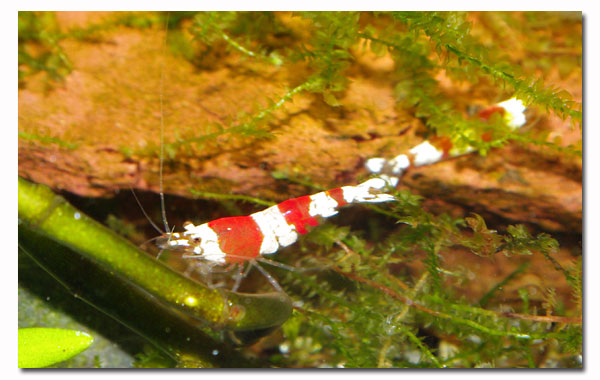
pixel 58 237
pixel 171 332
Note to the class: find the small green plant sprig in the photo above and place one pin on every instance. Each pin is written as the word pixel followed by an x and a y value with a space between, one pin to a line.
pixel 39 48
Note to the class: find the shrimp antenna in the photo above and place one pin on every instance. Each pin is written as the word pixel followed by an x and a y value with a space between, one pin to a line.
pixel 162 127
pixel 169 239
pixel 146 215
pixel 149 240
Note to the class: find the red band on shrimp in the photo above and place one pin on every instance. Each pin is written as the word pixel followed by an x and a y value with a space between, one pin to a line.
pixel 239 236
pixel 486 113
pixel 338 195
pixel 444 144
pixel 295 211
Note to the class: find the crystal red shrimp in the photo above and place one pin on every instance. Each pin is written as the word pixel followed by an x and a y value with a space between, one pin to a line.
pixel 246 239
pixel 432 151
pixel 239 239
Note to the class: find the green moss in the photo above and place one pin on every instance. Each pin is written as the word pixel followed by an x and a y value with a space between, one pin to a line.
pixel 39 48
pixel 47 140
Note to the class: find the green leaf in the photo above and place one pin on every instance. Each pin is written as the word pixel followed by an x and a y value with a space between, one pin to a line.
pixel 41 347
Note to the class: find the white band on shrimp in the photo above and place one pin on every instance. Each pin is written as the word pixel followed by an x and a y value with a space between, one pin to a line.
pixel 426 154
pixel 322 204
pixel 375 164
pixel 363 192
pixel 399 163
pixel 209 242
pixel 515 112
pixel 275 229
pixel 392 181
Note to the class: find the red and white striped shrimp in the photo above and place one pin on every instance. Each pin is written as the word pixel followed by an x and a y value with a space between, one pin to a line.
pixel 432 151
pixel 239 239
pixel 244 239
